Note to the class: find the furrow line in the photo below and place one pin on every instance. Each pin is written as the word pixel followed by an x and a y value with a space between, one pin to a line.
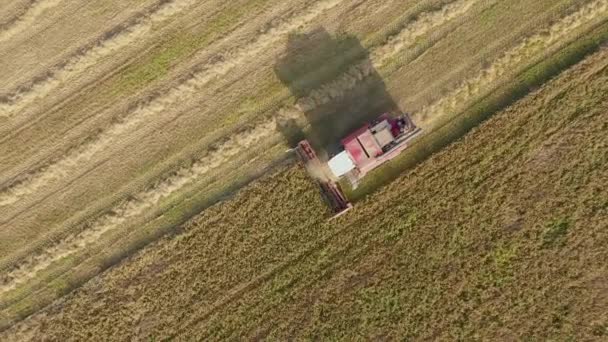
pixel 135 30
pixel 34 10
pixel 139 116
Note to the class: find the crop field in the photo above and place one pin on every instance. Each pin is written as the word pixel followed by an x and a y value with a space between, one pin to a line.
pixel 501 236
pixel 123 126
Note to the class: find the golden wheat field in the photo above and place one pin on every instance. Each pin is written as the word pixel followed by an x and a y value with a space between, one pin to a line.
pixel 147 190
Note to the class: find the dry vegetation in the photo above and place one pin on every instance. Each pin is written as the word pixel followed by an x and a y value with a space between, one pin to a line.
pixel 501 236
pixel 120 124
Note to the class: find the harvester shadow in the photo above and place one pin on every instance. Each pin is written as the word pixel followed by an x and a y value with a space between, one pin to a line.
pixel 335 85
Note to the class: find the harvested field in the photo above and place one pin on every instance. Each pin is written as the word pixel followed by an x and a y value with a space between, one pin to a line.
pixel 120 124
pixel 501 237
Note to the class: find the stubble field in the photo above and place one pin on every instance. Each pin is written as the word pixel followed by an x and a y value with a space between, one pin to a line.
pixel 122 123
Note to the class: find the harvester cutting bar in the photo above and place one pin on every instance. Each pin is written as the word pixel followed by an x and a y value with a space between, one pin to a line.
pixel 336 199
pixel 329 190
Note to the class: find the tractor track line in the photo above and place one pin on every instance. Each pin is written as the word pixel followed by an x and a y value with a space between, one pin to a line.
pixel 180 93
pixel 110 42
pixel 26 18
pixel 32 206
pixel 527 49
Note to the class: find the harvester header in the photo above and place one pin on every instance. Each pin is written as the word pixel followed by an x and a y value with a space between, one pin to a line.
pixel 331 192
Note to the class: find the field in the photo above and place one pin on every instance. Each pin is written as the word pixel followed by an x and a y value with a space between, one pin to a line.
pixel 131 120
pixel 501 236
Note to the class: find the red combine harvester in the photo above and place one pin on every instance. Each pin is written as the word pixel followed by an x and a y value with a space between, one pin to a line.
pixel 364 150
pixel 372 145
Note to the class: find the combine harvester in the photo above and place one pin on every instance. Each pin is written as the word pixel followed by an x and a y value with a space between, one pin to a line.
pixel 365 149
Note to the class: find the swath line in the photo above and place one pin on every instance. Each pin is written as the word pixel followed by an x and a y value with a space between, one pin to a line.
pixel 140 202
pixel 28 17
pixel 530 47
pixel 15 102
pixel 188 88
